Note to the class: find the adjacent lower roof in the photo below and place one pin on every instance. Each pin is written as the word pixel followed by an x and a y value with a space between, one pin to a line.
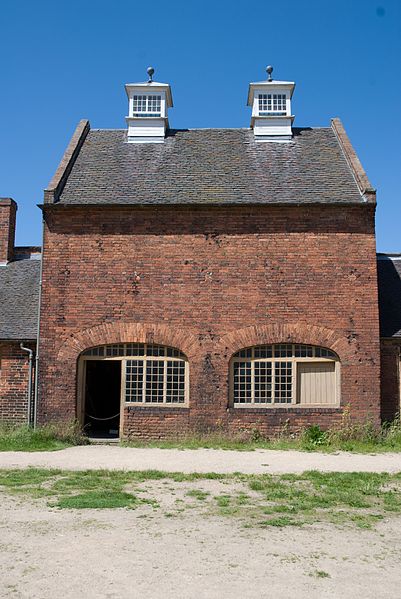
pixel 207 166
pixel 19 299
pixel 389 280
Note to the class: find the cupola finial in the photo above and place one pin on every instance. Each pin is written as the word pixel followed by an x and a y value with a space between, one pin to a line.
pixel 150 71
pixel 269 71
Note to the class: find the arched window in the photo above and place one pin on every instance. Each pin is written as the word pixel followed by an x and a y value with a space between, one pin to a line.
pixel 284 374
pixel 150 374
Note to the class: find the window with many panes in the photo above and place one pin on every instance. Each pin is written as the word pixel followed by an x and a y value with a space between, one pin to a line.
pixel 147 105
pixel 284 374
pixel 272 104
pixel 152 374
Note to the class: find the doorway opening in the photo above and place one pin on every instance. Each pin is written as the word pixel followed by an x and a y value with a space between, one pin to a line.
pixel 102 398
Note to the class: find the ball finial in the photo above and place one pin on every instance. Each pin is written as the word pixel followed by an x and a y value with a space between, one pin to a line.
pixel 269 71
pixel 150 71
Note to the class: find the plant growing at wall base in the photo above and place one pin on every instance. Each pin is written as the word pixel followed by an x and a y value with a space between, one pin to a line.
pixel 49 437
pixel 314 436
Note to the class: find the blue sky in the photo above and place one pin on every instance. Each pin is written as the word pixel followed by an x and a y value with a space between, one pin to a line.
pixel 65 60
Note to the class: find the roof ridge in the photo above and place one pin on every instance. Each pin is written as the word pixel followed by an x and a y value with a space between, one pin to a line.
pixel 305 127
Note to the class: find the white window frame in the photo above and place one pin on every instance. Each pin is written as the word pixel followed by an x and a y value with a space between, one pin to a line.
pixel 125 352
pixel 148 113
pixel 294 360
pixel 281 97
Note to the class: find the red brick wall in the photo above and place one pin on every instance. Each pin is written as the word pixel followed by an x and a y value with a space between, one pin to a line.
pixel 13 383
pixel 8 213
pixel 390 378
pixel 211 280
pixel 156 423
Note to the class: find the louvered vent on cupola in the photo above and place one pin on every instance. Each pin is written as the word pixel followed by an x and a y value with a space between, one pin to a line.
pixel 271 108
pixel 148 105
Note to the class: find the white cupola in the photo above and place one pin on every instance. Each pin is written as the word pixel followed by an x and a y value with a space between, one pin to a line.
pixel 148 105
pixel 271 108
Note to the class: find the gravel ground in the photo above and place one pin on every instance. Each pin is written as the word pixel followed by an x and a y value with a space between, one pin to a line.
pixel 93 457
pixel 182 549
pixel 47 553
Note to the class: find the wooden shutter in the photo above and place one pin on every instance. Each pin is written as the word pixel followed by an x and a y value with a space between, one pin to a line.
pixel 316 383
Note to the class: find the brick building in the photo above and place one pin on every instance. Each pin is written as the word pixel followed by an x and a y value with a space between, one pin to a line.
pixel 204 279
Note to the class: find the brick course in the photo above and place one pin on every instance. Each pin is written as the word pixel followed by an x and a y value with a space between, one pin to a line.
pixel 210 280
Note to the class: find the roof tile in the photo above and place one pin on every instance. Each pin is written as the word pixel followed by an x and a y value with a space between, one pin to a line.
pixel 19 299
pixel 206 166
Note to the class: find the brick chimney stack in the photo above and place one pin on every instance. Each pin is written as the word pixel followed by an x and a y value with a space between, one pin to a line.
pixel 8 213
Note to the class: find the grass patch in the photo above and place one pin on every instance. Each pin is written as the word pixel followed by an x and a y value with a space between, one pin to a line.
pixel 50 437
pixel 28 476
pixel 243 499
pixel 281 521
pixel 320 574
pixel 198 494
pixel 98 500
pixel 223 500
pixel 352 497
pixel 355 498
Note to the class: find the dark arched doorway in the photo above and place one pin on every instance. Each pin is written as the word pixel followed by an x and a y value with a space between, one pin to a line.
pixel 102 398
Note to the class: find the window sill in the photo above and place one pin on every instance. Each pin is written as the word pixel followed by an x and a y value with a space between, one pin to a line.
pixel 155 408
pixel 290 409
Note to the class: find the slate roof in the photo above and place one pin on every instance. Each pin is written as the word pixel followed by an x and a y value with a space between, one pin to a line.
pixel 19 299
pixel 389 279
pixel 211 166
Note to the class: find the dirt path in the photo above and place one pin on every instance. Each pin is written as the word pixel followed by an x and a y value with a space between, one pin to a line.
pixel 94 457
pixel 47 553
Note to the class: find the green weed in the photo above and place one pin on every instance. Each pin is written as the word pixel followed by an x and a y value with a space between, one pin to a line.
pixel 320 574
pixel 347 436
pixel 50 437
pixel 223 500
pixel 198 494
pixel 281 521
pixel 98 500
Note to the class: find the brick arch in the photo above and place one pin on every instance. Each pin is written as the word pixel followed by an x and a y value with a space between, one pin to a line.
pixel 288 333
pixel 118 332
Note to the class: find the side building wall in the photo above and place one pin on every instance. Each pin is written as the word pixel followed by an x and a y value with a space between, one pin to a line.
pixel 390 378
pixel 210 281
pixel 14 372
